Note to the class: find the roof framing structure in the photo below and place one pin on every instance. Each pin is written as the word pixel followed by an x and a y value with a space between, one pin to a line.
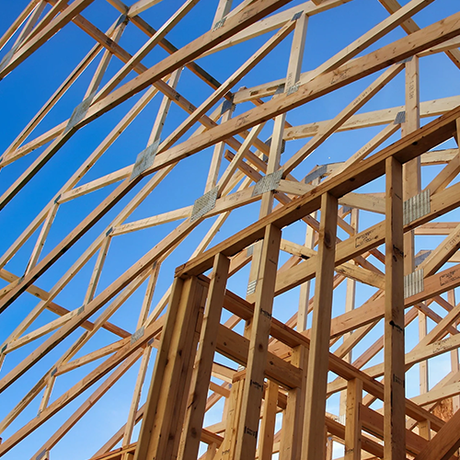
pixel 234 295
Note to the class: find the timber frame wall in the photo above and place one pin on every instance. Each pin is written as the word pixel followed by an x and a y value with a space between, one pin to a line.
pixel 264 382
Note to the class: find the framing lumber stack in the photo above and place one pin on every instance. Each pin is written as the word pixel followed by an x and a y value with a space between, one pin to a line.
pixel 334 250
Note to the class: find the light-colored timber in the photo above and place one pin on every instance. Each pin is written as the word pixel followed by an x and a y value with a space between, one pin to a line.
pixel 221 240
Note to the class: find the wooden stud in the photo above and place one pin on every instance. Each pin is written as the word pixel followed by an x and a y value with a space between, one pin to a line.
pixel 173 368
pixel 267 427
pixel 394 316
pixel 189 445
pixel 353 420
pixel 291 448
pixel 313 447
pixel 253 387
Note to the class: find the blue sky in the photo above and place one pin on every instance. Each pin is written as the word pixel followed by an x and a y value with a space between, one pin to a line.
pixel 28 87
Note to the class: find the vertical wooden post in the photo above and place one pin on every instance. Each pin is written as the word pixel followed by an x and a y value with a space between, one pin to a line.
pixel 227 448
pixel 412 169
pixel 210 452
pixel 165 406
pixel 304 296
pixel 411 187
pixel 291 445
pixel 260 330
pixel 349 305
pixel 318 360
pixel 196 406
pixel 454 353
pixel 353 420
pixel 394 397
pixel 267 426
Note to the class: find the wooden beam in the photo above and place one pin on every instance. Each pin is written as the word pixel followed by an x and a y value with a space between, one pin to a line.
pixel 293 419
pixel 394 375
pixel 368 239
pixel 140 6
pixel 345 114
pixel 353 420
pixel 401 50
pixel 407 148
pixel 52 28
pixel 267 428
pixel 381 117
pixel 190 441
pixel 313 446
pixel 255 370
pixel 173 368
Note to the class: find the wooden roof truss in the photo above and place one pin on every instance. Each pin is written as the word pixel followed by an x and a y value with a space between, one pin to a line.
pixel 275 377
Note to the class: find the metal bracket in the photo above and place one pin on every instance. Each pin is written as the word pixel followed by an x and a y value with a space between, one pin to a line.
pixel 320 171
pixel 219 24
pixel 81 310
pixel 124 18
pixel 145 159
pixel 251 287
pixel 268 183
pixel 79 112
pixel 280 89
pixel 268 143
pixel 293 89
pixel 421 257
pixel 400 117
pixel 42 453
pixel 413 283
pixel 227 105
pixel 250 251
pixel 250 432
pixel 137 335
pixel 204 204
pixel 296 16
pixel 416 207
pixel 406 60
pixel 53 372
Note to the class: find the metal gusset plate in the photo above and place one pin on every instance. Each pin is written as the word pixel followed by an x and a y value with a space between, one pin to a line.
pixel 204 204
pixel 413 283
pixel 145 159
pixel 268 183
pixel 416 207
